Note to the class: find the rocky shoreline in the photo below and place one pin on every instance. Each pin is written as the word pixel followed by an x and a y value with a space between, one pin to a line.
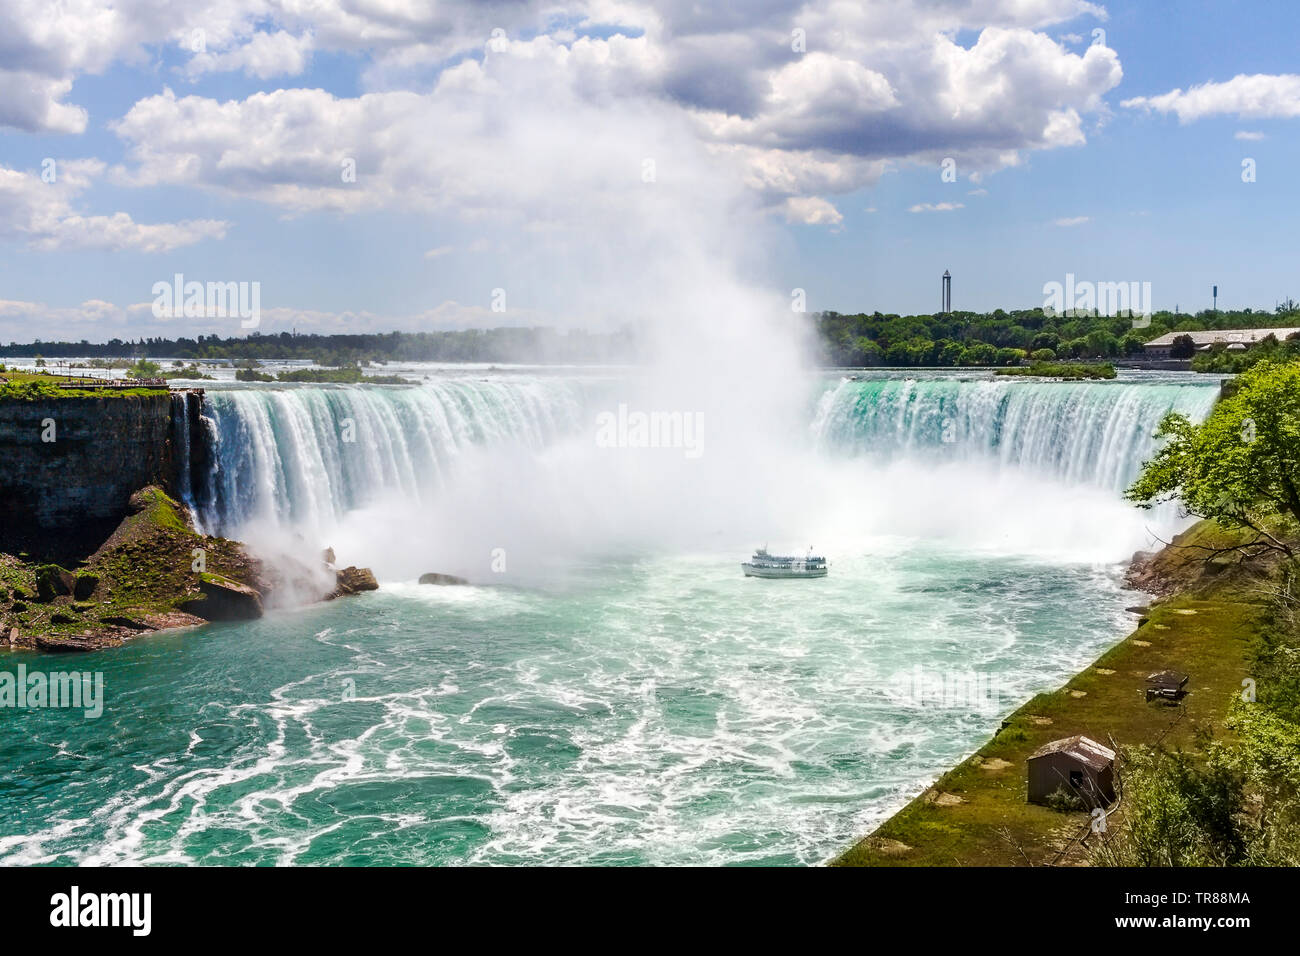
pixel 154 572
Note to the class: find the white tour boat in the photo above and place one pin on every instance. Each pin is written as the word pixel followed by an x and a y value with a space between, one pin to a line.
pixel 764 565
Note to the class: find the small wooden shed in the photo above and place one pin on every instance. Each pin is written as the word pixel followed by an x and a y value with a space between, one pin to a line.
pixel 1078 765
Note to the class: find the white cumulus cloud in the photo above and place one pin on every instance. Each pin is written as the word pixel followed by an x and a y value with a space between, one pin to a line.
pixel 44 215
pixel 1259 96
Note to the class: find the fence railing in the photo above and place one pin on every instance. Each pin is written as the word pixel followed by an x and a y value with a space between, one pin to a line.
pixel 115 383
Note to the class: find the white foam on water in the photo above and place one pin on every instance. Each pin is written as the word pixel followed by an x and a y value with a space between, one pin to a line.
pixel 637 699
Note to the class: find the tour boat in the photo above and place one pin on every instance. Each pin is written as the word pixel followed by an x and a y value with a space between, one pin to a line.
pixel 764 565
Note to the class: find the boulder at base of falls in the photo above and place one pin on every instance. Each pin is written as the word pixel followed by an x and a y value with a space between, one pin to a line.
pixel 353 581
pixel 224 600
pixel 85 586
pixel 132 583
pixel 435 578
pixel 53 581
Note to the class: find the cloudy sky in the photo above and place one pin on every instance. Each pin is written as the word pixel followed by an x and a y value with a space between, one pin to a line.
pixel 420 164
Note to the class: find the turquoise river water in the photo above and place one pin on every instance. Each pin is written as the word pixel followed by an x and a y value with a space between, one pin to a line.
pixel 609 689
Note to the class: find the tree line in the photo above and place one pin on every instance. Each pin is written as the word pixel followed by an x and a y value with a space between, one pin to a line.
pixel 1003 338
pixel 545 345
pixel 862 339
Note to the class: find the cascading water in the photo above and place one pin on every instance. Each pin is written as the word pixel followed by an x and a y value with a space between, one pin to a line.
pixel 654 707
pixel 306 455
pixel 182 404
pixel 1093 433
pixel 438 476
pixel 299 457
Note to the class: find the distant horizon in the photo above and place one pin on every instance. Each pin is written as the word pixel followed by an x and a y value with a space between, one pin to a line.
pixel 487 165
pixel 597 332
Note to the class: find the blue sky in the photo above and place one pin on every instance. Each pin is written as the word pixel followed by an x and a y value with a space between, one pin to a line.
pixel 1165 202
pixel 519 167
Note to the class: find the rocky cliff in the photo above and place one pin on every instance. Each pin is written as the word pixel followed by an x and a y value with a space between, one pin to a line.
pixel 68 466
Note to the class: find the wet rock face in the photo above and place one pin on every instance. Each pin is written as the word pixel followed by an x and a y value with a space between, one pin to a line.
pixel 434 577
pixel 224 600
pixel 60 644
pixel 75 462
pixel 352 581
pixel 85 586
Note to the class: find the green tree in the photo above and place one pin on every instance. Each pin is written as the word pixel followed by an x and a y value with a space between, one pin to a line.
pixel 981 353
pixel 951 353
pixel 1102 343
pixel 1182 347
pixel 144 369
pixel 1242 465
pixel 1046 340
pixel 865 352
pixel 1075 348
pixel 1132 344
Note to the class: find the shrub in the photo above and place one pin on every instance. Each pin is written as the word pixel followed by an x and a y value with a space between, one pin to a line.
pixel 144 369
pixel 1064 800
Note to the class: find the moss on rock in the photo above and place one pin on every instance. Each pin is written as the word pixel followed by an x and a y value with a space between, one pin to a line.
pixel 151 567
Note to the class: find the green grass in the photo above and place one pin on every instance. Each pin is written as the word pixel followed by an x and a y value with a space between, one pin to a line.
pixel 41 386
pixel 330 376
pixel 145 569
pixel 1211 630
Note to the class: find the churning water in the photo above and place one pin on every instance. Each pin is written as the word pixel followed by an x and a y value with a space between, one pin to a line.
pixel 610 689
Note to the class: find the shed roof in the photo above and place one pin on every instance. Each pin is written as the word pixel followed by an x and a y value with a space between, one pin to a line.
pixel 1081 748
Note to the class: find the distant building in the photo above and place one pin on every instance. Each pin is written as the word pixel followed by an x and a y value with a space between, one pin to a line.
pixel 947 292
pixel 1236 340
pixel 1077 765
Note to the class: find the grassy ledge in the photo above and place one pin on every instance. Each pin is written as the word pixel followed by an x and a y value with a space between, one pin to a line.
pixel 39 386
pixel 977 815
pixel 137 581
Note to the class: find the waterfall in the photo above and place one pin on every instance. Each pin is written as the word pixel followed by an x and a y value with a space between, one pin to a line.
pixel 1090 433
pixel 297 457
pixel 309 454
pixel 186 408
